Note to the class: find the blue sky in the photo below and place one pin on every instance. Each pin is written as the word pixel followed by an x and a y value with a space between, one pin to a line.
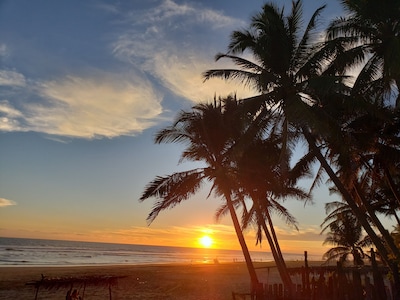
pixel 84 86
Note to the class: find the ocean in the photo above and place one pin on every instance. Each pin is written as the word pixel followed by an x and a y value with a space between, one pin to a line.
pixel 37 252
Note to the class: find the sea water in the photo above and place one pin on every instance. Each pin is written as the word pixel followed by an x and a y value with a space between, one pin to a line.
pixel 38 252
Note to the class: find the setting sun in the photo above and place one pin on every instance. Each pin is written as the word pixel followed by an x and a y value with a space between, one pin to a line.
pixel 206 241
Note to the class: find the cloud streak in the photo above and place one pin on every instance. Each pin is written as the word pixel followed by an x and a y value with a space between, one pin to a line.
pixel 156 43
pixel 87 107
pixel 5 202
pixel 164 48
pixel 11 78
pixel 97 107
pixel 169 11
pixel 9 117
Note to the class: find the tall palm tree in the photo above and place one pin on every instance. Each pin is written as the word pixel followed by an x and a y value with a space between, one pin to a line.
pixel 345 233
pixel 289 69
pixel 260 179
pixel 370 34
pixel 209 133
pixel 295 77
pixel 359 157
pixel 283 69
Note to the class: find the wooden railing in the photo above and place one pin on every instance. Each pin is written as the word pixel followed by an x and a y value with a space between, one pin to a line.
pixel 329 283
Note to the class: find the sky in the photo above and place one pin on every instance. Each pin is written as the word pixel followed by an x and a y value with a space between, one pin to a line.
pixel 84 87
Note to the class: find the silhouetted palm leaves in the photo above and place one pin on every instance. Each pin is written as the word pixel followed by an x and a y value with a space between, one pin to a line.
pixel 352 130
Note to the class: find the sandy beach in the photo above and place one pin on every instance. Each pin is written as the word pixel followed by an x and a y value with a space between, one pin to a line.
pixel 172 281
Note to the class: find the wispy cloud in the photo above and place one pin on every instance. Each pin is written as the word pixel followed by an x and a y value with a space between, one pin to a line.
pixel 168 11
pixel 9 117
pixel 87 107
pixel 97 107
pixel 157 43
pixel 5 202
pixel 181 73
pixel 11 78
pixel 309 233
pixel 165 48
pixel 4 51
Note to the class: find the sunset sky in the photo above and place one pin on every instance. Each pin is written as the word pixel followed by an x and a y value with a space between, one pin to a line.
pixel 85 85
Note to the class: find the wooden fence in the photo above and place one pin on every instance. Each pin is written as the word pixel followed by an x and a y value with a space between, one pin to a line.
pixel 329 283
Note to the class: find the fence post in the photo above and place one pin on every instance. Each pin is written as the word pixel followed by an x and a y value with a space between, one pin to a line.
pixel 378 280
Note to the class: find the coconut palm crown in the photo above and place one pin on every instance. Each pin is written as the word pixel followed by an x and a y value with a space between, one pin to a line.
pixel 209 133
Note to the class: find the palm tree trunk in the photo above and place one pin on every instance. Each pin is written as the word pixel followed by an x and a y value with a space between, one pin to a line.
pixel 385 234
pixel 397 218
pixel 392 264
pixel 391 184
pixel 274 245
pixel 397 104
pixel 273 233
pixel 280 263
pixel 243 245
pixel 346 195
pixel 278 248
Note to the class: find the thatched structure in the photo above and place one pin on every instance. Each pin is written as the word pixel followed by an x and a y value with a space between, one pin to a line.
pixel 67 283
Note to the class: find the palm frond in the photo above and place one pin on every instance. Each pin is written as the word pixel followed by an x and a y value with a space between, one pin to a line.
pixel 368 74
pixel 302 167
pixel 302 53
pixel 240 41
pixel 294 21
pixel 241 62
pixel 171 190
pixel 283 213
pixel 221 211
pixel 248 79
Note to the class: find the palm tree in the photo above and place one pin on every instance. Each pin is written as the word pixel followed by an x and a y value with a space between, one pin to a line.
pixel 370 34
pixel 299 80
pixel 284 68
pixel 209 136
pixel 289 69
pixel 260 179
pixel 345 233
pixel 359 166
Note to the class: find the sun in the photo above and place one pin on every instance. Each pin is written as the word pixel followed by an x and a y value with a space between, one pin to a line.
pixel 205 241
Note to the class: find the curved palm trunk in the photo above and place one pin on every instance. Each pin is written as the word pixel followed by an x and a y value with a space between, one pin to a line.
pixel 398 95
pixel 273 233
pixel 385 234
pixel 275 249
pixel 280 263
pixel 397 218
pixel 243 245
pixel 391 183
pixel 356 210
pixel 278 248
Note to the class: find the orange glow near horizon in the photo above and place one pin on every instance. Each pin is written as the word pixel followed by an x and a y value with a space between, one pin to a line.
pixel 212 236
